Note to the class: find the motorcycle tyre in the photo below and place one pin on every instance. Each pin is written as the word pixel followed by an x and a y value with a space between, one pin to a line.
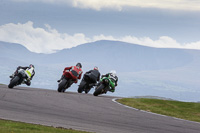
pixel 87 90
pixel 13 82
pixel 81 87
pixel 99 90
pixel 61 85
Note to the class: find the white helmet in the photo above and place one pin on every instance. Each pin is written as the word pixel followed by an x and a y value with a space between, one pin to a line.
pixel 113 72
pixel 96 68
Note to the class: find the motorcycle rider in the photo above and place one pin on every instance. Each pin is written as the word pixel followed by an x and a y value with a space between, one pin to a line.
pixel 113 76
pixel 29 69
pixel 94 75
pixel 75 73
pixel 91 77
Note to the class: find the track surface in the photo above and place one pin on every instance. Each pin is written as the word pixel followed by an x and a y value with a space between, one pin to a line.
pixel 84 112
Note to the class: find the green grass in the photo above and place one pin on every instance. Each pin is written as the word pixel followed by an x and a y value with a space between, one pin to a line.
pixel 183 110
pixel 7 126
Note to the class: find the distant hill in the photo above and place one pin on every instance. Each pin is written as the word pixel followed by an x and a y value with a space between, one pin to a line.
pixel 118 54
pixel 163 72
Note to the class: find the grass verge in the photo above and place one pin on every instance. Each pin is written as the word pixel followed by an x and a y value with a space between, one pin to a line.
pixel 7 126
pixel 184 110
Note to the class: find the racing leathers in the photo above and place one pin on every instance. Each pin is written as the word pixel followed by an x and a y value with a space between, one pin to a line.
pixel 94 76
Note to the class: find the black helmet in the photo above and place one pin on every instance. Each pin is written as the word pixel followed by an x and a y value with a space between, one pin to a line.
pixel 79 65
pixel 31 65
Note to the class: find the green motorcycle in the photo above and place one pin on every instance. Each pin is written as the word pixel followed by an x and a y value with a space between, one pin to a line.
pixel 106 84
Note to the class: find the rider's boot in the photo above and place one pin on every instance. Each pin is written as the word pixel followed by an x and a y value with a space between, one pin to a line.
pixel 11 76
pixel 28 82
pixel 60 78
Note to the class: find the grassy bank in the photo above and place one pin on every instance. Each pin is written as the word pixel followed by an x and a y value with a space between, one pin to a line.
pixel 183 110
pixel 19 127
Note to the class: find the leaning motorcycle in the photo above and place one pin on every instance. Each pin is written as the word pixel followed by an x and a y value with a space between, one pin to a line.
pixel 21 77
pixel 65 82
pixel 85 84
pixel 105 84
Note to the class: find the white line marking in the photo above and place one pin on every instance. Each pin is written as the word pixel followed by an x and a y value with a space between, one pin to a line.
pixel 114 100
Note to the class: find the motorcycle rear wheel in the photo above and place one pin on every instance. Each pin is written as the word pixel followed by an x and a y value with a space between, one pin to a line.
pixel 81 87
pixel 87 90
pixel 61 85
pixel 13 82
pixel 99 90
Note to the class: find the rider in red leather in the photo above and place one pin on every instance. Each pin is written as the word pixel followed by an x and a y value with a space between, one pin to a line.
pixel 73 72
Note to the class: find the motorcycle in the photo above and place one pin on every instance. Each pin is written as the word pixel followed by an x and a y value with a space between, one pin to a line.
pixel 65 82
pixel 105 84
pixel 21 77
pixel 85 84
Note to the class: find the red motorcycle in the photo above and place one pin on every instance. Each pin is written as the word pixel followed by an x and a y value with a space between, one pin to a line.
pixel 65 82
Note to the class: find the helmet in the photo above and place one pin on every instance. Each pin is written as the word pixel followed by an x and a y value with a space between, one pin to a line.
pixel 79 65
pixel 96 68
pixel 31 65
pixel 113 72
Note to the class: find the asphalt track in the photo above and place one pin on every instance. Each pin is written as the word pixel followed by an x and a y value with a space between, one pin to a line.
pixel 84 112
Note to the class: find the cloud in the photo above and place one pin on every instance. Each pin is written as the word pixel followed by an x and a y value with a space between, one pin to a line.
pixel 162 42
pixel 49 40
pixel 39 40
pixel 121 4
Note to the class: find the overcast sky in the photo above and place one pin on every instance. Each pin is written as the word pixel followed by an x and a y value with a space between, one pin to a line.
pixel 44 26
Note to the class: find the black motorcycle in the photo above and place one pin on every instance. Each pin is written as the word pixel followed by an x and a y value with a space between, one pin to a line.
pixel 86 84
pixel 20 78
